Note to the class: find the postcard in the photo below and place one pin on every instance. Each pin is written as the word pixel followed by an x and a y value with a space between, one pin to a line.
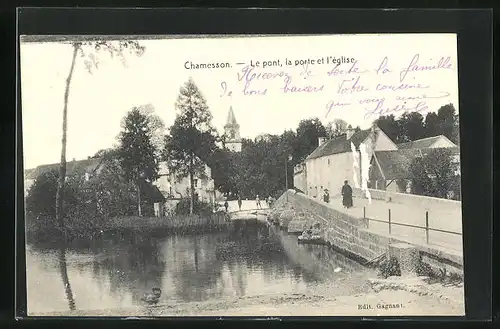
pixel 248 175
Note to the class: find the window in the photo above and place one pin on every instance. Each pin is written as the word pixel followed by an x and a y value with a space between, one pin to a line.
pixel 195 183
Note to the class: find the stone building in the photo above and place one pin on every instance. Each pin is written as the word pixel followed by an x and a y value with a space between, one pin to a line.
pixel 332 162
pixel 175 188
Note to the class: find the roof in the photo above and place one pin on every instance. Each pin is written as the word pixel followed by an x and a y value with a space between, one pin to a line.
pixel 231 119
pixel 339 144
pixel 422 143
pixel 395 164
pixel 150 192
pixel 88 165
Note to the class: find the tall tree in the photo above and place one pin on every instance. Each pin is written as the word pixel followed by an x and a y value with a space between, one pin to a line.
pixel 447 120
pixel 390 126
pixel 336 127
pixel 286 153
pixel 139 152
pixel 412 126
pixel 110 186
pixel 191 137
pixel 456 131
pixel 220 162
pixel 88 50
pixel 308 132
pixel 432 125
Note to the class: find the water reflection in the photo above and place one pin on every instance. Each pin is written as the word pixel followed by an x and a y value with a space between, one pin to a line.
pixel 65 279
pixel 251 259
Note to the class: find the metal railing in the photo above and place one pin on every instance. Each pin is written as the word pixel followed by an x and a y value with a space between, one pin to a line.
pixel 390 222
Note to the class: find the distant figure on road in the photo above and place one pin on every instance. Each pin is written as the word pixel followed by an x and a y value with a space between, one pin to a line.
pixel 257 201
pixel 270 201
pixel 326 196
pixel 346 195
pixel 239 202
pixel 226 205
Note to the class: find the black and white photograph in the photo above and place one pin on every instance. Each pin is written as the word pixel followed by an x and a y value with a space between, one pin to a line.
pixel 242 175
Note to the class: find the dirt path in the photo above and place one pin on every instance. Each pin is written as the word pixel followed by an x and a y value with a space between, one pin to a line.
pixel 395 299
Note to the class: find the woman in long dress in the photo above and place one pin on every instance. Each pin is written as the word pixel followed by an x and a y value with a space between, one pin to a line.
pixel 347 195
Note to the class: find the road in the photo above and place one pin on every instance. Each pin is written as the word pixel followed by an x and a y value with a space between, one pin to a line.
pixel 443 219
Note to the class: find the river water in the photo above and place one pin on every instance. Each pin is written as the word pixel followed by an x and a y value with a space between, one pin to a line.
pixel 252 259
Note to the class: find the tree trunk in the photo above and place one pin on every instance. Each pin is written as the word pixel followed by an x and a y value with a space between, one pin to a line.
pixel 139 209
pixel 62 167
pixel 191 182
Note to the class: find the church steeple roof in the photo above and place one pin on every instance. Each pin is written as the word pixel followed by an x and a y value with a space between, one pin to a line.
pixel 231 119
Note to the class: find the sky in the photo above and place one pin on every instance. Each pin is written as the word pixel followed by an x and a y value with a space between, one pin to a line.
pixel 384 73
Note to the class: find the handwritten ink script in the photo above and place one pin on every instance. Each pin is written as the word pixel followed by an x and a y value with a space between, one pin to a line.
pixel 381 87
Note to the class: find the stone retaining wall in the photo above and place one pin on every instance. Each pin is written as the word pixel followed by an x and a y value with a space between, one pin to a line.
pixel 351 235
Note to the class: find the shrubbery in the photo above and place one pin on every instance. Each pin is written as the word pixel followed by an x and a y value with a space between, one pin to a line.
pixel 433 175
pixel 390 267
pixel 199 207
pixel 86 205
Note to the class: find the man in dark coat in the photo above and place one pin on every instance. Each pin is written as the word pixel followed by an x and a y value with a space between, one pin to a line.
pixel 346 195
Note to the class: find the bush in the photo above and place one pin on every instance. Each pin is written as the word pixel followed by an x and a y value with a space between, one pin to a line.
pixel 41 199
pixel 41 228
pixel 433 175
pixel 390 267
pixel 199 207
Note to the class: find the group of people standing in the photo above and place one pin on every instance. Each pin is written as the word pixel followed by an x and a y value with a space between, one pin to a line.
pixel 269 202
pixel 346 192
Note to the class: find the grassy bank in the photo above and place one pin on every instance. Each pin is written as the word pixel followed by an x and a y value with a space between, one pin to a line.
pixel 177 223
pixel 86 228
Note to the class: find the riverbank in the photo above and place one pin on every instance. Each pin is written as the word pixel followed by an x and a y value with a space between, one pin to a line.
pixel 177 223
pixel 405 297
pixel 88 229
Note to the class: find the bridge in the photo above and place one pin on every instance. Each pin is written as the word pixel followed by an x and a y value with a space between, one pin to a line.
pixel 428 228
pixel 249 210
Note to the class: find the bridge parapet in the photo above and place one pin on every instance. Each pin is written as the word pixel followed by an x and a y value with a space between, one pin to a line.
pixel 351 234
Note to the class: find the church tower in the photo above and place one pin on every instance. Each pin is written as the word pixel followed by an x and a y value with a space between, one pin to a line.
pixel 232 132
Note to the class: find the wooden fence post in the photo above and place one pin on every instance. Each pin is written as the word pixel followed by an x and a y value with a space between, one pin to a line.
pixel 367 221
pixel 427 226
pixel 389 221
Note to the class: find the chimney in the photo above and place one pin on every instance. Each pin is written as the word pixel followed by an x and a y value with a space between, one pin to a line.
pixel 321 140
pixel 349 132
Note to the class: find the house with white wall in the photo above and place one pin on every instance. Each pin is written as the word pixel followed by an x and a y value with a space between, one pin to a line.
pixel 439 141
pixel 390 169
pixel 332 162
pixel 87 168
pixel 175 188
